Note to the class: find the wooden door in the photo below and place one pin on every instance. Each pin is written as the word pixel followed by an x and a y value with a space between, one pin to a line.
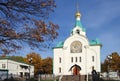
pixel 76 71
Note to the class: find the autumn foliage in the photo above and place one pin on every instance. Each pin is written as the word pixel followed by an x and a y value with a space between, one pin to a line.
pixel 41 66
pixel 114 63
pixel 47 65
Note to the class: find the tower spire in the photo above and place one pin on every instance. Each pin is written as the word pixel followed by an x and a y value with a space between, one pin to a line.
pixel 77 7
pixel 78 28
pixel 78 15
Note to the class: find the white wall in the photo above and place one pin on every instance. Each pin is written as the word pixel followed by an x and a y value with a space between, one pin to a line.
pixel 86 55
pixel 14 67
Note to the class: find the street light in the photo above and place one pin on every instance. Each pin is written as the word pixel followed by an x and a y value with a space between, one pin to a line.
pixel 30 61
pixel 109 58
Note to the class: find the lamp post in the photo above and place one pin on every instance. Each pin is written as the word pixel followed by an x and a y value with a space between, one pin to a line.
pixel 30 61
pixel 109 58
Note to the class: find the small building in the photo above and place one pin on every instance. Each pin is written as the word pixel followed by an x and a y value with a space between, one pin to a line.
pixel 76 55
pixel 15 68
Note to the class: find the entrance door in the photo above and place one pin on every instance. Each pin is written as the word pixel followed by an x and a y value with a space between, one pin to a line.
pixel 76 70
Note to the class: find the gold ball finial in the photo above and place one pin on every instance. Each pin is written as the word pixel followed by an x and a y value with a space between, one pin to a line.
pixel 78 15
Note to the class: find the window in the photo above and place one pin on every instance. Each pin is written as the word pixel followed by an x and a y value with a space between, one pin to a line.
pixel 59 69
pixel 3 66
pixel 60 60
pixel 71 59
pixel 78 32
pixel 75 59
pixel 80 59
pixel 93 58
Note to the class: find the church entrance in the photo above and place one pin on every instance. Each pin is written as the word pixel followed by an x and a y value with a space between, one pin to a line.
pixel 75 69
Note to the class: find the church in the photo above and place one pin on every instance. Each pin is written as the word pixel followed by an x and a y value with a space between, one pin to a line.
pixel 76 55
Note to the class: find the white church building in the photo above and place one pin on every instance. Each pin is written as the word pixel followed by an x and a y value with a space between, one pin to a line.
pixel 76 55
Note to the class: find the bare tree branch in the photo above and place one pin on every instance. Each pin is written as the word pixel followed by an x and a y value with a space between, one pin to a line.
pixel 21 22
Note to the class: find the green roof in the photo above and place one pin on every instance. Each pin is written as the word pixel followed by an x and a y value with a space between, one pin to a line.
pixel 79 24
pixel 95 42
pixel 83 29
pixel 60 44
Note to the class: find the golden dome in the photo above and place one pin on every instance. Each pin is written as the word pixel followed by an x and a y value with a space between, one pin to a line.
pixel 78 14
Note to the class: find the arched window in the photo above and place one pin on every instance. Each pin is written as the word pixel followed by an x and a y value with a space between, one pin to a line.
pixel 59 69
pixel 60 60
pixel 72 59
pixel 93 59
pixel 75 59
pixel 78 31
pixel 80 59
pixel 76 47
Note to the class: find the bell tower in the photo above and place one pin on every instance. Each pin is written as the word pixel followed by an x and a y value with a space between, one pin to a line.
pixel 78 28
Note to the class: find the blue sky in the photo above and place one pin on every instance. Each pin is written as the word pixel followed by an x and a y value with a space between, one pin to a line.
pixel 101 18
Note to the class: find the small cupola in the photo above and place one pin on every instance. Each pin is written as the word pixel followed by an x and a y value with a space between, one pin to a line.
pixel 78 29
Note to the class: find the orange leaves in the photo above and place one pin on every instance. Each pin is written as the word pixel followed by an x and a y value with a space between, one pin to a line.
pixel 25 22
pixel 114 63
pixel 4 22
pixel 36 61
pixel 40 65
pixel 47 65
pixel 46 30
pixel 43 4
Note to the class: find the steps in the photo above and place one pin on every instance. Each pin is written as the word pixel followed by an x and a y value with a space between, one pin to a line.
pixel 73 78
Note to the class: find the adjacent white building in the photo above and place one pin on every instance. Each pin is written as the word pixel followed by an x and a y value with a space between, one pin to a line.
pixel 76 55
pixel 15 68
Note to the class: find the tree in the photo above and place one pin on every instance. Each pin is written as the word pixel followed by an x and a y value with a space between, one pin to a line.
pixel 17 58
pixel 47 65
pixel 104 67
pixel 114 63
pixel 36 61
pixel 25 22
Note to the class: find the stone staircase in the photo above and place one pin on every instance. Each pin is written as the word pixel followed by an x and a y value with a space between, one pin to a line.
pixel 73 78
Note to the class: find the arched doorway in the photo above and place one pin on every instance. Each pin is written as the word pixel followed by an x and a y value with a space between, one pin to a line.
pixel 75 69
